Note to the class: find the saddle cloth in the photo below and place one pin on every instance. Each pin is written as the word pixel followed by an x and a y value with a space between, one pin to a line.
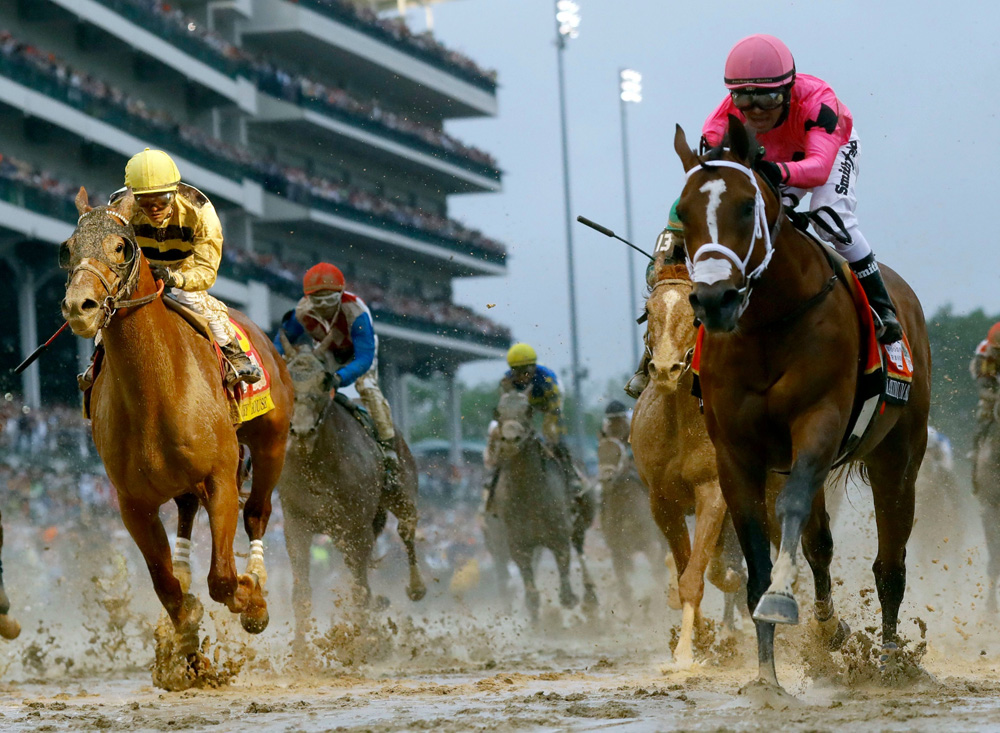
pixel 885 372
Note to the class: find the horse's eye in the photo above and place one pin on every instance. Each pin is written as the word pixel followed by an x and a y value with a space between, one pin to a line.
pixel 120 247
pixel 748 208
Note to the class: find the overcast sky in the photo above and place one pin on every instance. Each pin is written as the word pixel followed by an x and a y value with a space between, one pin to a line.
pixel 921 80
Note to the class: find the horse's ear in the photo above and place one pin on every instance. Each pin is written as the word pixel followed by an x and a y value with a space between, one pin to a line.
pixel 286 345
pixel 688 159
pixel 82 202
pixel 126 204
pixel 739 140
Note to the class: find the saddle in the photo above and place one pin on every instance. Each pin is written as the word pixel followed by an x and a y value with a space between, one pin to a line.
pixel 245 401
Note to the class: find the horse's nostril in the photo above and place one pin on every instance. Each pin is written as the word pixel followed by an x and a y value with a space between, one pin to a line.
pixel 675 369
pixel 730 297
pixel 652 369
pixel 88 304
pixel 693 300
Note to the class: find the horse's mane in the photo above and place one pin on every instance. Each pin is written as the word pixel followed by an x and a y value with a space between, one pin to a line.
pixel 676 271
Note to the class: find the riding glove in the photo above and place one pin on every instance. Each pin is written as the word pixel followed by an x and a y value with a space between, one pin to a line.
pixel 771 171
pixel 170 278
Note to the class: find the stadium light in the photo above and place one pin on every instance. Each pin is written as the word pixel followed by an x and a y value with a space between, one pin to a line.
pixel 631 86
pixel 568 18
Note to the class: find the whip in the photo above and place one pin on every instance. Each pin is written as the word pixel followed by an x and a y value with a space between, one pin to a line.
pixel 608 233
pixel 38 352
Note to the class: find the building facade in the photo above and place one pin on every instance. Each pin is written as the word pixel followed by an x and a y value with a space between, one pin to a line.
pixel 315 126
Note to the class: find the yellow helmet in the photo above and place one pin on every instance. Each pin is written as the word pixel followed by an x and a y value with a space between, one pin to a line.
pixel 521 354
pixel 151 171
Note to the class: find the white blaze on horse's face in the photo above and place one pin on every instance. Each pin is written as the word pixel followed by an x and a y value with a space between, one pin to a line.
pixel 671 334
pixel 712 270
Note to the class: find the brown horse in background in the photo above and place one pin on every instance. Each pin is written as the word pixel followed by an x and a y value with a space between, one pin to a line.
pixel 161 420
pixel 779 373
pixel 9 627
pixel 676 459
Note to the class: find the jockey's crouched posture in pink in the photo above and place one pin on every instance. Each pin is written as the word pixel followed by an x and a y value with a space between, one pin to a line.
pixel 810 146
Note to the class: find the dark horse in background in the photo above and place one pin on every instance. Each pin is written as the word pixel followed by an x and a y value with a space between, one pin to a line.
pixel 778 376
pixel 986 485
pixel 335 484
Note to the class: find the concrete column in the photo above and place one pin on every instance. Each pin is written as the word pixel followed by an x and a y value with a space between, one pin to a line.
pixel 28 326
pixel 455 423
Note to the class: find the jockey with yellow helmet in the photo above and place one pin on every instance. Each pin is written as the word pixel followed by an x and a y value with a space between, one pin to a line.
pixel 810 146
pixel 540 384
pixel 341 324
pixel 985 369
pixel 180 234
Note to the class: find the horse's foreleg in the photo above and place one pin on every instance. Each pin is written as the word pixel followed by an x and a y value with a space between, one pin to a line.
pixel 357 548
pixel 669 517
pixel 143 523
pixel 524 559
pixel 893 479
pixel 268 460
pixel 402 505
pixel 621 562
pixel 241 594
pixel 710 510
pixel 744 495
pixel 817 546
pixel 563 553
pixel 187 509
pixel 298 540
pixel 991 529
pixel 814 453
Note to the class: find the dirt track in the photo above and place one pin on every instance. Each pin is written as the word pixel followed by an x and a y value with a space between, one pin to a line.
pixel 464 664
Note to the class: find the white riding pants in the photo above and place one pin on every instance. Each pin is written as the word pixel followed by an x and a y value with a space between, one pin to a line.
pixel 839 195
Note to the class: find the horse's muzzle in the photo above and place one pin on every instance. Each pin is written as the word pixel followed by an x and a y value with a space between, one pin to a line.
pixel 717 305
pixel 82 314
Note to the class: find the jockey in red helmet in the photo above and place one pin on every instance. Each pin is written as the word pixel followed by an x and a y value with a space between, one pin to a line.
pixel 340 321
pixel 810 146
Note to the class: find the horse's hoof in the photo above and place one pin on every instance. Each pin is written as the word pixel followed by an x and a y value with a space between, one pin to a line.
pixel 777 608
pixel 765 694
pixel 254 623
pixel 416 592
pixel 380 603
pixel 9 627
pixel 839 636
pixel 568 599
pixel 590 599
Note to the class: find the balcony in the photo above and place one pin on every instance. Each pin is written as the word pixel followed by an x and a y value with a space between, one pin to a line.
pixel 330 36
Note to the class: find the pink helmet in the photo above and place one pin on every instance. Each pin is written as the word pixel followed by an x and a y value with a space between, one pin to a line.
pixel 759 61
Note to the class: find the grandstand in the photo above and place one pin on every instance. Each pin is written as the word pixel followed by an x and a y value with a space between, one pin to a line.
pixel 315 126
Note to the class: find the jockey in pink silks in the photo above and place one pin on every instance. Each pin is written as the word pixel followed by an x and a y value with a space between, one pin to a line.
pixel 810 145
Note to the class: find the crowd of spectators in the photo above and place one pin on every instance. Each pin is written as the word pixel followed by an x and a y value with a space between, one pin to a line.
pixel 101 100
pixel 286 278
pixel 299 89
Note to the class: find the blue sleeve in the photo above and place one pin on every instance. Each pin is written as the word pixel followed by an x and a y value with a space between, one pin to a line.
pixel 363 337
pixel 293 329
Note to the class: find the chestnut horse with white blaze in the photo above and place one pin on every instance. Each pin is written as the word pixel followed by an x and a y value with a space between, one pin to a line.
pixel 779 373
pixel 161 421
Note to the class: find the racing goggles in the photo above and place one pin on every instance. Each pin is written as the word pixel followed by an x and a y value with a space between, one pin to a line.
pixel 154 201
pixel 327 300
pixel 762 99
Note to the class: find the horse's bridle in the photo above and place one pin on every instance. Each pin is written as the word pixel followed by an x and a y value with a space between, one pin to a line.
pixel 645 343
pixel 706 271
pixel 118 280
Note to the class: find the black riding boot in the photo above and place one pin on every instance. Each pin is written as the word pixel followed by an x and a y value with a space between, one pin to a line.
pixel 878 297
pixel 639 380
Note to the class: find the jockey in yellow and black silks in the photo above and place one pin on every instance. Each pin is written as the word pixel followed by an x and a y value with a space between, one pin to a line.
pixel 179 232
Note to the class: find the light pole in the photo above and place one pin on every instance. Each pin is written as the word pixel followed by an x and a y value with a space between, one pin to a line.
pixel 567 25
pixel 629 91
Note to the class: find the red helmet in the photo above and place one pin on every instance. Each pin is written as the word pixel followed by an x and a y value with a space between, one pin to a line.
pixel 993 337
pixel 759 61
pixel 323 276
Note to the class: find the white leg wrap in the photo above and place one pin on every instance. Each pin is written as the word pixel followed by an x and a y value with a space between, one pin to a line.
pixel 255 565
pixel 257 550
pixel 182 551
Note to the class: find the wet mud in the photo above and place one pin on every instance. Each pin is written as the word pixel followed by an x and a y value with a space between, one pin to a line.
pixel 88 653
